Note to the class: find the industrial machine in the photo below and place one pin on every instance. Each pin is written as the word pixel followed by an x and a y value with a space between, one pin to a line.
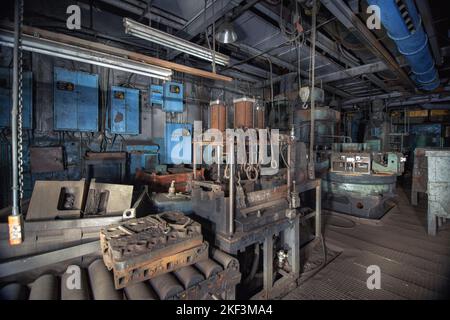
pixel 431 176
pixel 239 209
pixel 361 182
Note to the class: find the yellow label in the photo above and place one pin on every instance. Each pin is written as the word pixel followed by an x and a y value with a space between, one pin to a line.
pixel 418 113
pixel 15 230
pixel 437 113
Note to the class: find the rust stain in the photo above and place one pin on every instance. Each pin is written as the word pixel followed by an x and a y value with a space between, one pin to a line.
pixel 118 117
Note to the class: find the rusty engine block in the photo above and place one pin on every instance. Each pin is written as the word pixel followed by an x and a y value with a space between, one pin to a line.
pixel 143 248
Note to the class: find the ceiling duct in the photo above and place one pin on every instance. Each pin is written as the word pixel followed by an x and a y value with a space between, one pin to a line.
pixel 404 26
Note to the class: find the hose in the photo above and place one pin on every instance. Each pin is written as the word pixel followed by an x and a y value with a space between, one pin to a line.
pixel 255 265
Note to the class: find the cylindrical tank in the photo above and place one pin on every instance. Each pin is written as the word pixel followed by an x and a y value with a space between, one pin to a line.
pixel 325 122
pixel 243 112
pixel 218 115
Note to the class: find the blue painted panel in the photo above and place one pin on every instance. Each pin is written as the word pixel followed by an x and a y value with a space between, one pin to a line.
pixel 87 102
pixel 6 101
pixel 143 157
pixel 124 110
pixel 156 95
pixel 178 142
pixel 75 100
pixel 173 97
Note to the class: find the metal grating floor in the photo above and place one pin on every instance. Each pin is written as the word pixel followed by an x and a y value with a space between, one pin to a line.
pixel 413 265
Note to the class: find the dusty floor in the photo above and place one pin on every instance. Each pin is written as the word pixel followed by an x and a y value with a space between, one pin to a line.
pixel 413 265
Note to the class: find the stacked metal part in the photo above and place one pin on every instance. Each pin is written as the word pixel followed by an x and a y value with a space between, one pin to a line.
pixel 214 278
pixel 404 27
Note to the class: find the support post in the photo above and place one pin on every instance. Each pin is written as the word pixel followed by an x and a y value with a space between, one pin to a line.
pixel 268 265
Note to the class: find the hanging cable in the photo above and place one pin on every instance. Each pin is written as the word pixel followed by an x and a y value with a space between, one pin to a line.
pixel 311 168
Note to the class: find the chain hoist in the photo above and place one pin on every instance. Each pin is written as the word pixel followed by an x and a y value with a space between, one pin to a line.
pixel 20 108
pixel 15 220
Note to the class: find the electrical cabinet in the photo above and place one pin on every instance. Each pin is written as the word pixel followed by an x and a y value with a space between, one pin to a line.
pixel 173 97
pixel 75 100
pixel 178 141
pixel 142 157
pixel 156 95
pixel 6 98
pixel 124 110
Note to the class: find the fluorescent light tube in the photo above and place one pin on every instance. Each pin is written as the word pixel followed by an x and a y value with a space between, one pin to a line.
pixel 66 51
pixel 165 39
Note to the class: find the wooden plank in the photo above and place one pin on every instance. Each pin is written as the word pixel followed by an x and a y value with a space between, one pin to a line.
pixel 59 37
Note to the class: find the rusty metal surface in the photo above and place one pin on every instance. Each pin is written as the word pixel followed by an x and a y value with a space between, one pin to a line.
pixel 438 188
pixel 161 183
pixel 144 248
pixel 100 156
pixel 46 159
pixel 218 115
pixel 243 113
pixel 108 199
pixel 420 172
pixel 218 285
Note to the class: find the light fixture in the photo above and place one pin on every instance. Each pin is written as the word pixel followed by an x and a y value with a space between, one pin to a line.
pixel 154 35
pixel 66 51
pixel 226 33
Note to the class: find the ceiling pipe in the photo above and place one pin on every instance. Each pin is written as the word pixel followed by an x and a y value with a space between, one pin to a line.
pixel 404 26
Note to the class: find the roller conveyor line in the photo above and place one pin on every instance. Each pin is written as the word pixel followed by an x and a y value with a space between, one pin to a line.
pixel 97 283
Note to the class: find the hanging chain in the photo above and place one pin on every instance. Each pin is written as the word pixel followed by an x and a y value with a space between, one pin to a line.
pixel 20 107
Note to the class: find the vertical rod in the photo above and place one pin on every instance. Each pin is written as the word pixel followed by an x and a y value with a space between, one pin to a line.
pixel 289 179
pixel 318 209
pixel 311 169
pixel 14 112
pixel 231 164
pixel 268 265
pixel 194 160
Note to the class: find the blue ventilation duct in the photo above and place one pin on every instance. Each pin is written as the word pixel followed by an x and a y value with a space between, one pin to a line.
pixel 404 26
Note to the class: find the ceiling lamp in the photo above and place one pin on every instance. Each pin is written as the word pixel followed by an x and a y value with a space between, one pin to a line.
pixel 226 33
pixel 66 51
pixel 165 39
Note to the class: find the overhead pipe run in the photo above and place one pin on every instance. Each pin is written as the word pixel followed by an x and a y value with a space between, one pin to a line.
pixel 404 26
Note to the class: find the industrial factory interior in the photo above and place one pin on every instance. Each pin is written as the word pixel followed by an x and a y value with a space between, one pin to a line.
pixel 225 150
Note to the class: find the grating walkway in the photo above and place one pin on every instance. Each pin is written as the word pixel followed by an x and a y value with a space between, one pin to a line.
pixel 413 265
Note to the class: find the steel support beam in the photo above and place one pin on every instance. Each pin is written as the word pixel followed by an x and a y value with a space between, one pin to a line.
pixel 408 99
pixel 346 16
pixel 342 74
pixel 353 72
pixel 155 14
pixel 41 260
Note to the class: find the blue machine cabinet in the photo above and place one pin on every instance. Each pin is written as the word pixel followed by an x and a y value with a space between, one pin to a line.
pixel 156 95
pixel 75 100
pixel 6 101
pixel 143 156
pixel 124 110
pixel 178 140
pixel 173 97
